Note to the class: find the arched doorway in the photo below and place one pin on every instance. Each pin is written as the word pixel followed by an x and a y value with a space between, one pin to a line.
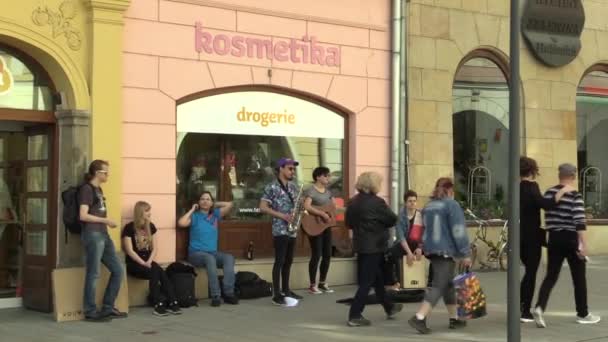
pixel 591 126
pixel 28 192
pixel 480 126
pixel 228 143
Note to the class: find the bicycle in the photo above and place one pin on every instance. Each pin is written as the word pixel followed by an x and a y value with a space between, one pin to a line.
pixel 497 255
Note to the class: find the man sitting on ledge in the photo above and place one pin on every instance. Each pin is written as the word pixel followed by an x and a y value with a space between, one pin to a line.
pixel 203 219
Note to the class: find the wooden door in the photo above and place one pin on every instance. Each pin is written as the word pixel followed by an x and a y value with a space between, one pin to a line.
pixel 39 220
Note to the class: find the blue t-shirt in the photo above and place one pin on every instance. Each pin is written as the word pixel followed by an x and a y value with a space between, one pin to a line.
pixel 203 232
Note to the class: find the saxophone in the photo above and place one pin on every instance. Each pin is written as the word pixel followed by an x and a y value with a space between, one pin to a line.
pixel 298 211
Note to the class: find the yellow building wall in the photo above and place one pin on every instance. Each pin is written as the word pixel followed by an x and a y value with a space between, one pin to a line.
pixel 79 43
pixel 440 34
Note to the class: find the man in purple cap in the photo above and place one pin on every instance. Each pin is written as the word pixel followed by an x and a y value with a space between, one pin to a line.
pixel 278 201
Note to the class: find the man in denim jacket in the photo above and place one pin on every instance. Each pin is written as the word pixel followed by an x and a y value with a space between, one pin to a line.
pixel 445 240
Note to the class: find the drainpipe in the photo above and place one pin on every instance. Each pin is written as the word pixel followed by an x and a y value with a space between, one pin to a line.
pixel 404 144
pixel 395 128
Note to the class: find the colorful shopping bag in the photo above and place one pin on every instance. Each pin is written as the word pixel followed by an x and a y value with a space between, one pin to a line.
pixel 470 298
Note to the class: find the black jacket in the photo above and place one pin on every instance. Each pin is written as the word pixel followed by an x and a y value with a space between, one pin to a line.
pixel 369 217
pixel 531 201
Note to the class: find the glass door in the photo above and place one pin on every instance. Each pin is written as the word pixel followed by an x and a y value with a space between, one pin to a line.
pixel 37 218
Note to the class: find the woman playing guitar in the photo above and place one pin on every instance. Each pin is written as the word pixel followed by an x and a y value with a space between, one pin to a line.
pixel 318 202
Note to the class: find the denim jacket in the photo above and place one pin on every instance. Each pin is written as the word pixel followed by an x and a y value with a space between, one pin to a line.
pixel 445 230
pixel 403 225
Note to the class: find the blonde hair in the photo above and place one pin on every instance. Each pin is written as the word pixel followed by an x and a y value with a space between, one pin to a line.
pixel 369 182
pixel 140 221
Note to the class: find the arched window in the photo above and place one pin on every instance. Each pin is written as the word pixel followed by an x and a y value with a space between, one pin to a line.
pixel 23 83
pixel 592 139
pixel 480 126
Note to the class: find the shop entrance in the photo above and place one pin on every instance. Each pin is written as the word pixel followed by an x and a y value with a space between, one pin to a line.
pixel 26 220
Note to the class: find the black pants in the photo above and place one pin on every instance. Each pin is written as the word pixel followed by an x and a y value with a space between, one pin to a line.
pixel 320 245
pixel 530 254
pixel 564 245
pixel 161 288
pixel 284 247
pixel 369 273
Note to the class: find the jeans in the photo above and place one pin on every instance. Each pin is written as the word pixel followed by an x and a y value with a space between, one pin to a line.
pixel 369 273
pixel 444 271
pixel 284 247
pixel 159 283
pixel 98 249
pixel 212 261
pixel 564 245
pixel 320 246
pixel 530 256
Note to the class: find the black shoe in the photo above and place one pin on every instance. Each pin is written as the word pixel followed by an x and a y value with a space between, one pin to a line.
pixel 216 301
pixel 395 309
pixel 419 325
pixel 526 317
pixel 97 317
pixel 160 310
pixel 359 322
pixel 292 294
pixel 279 300
pixel 115 314
pixel 457 323
pixel 231 300
pixel 174 309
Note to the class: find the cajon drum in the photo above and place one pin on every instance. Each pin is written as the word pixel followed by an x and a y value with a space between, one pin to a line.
pixel 415 276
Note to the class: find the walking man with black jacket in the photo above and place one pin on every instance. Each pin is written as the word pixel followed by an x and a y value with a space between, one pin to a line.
pixel 566 226
pixel 370 218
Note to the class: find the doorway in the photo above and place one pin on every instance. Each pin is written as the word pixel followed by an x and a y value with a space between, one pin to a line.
pixel 27 213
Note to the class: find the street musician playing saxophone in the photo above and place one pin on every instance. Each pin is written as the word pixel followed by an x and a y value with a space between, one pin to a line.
pixel 282 200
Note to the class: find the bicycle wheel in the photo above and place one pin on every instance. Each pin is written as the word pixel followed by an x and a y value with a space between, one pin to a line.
pixel 503 258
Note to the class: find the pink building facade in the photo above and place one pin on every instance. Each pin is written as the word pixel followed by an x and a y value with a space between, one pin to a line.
pixel 216 91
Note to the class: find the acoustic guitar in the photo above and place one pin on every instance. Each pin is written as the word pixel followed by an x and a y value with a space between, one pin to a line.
pixel 314 225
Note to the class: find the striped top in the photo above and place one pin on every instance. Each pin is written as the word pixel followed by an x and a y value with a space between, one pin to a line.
pixel 569 214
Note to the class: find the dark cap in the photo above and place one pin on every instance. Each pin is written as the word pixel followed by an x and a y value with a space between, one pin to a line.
pixel 287 161
pixel 566 170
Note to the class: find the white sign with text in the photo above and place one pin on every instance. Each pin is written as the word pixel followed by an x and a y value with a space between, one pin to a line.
pixel 259 113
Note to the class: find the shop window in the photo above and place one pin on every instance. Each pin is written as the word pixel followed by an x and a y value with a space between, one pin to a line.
pixel 23 83
pixel 592 125
pixel 481 130
pixel 229 144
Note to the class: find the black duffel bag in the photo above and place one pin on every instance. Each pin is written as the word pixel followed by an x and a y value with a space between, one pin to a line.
pixel 248 285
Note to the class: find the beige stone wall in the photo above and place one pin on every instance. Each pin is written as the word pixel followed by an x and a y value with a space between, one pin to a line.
pixel 441 33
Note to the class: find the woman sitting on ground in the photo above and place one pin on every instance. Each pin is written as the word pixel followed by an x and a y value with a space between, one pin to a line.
pixel 139 242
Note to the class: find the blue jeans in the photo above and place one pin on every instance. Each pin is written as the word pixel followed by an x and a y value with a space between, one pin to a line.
pixel 98 249
pixel 211 261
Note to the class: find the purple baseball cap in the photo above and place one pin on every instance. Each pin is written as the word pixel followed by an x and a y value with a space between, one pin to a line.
pixel 287 161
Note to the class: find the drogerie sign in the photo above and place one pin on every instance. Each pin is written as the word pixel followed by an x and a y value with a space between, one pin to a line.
pixel 552 29
pixel 306 50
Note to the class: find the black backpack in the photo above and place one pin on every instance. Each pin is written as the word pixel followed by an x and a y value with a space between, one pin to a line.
pixel 71 209
pixel 182 276
pixel 249 285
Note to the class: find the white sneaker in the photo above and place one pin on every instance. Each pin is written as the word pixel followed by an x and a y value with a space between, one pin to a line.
pixel 590 319
pixel 538 317
pixel 314 290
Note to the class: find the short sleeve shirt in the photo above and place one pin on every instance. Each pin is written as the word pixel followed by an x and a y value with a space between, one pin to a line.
pixel 92 196
pixel 279 201
pixel 140 241
pixel 319 198
pixel 204 232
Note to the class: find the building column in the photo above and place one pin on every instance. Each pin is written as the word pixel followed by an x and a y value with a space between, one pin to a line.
pixel 74 154
pixel 106 41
